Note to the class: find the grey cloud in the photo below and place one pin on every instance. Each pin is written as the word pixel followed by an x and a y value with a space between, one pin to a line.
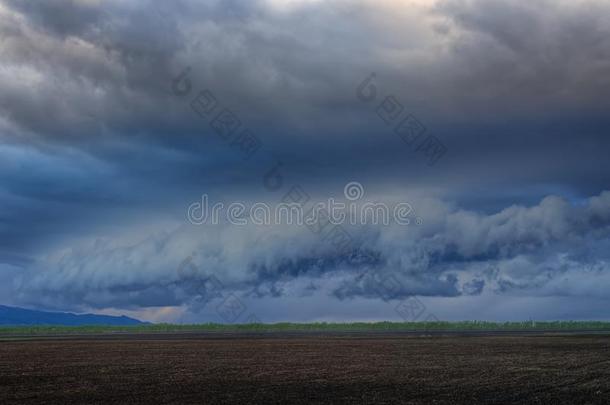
pixel 305 63
pixel 60 17
pixel 291 76
pixel 448 255
pixel 94 143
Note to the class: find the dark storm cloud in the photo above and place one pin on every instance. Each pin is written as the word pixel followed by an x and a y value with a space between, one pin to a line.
pixel 52 15
pixel 456 252
pixel 298 71
pixel 94 142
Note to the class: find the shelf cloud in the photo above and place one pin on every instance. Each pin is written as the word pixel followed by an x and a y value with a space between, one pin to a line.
pixel 488 117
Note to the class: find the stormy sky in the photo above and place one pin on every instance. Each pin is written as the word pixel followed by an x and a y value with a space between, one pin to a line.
pixel 488 117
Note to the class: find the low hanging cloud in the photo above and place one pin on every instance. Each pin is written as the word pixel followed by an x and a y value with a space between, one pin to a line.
pixel 553 248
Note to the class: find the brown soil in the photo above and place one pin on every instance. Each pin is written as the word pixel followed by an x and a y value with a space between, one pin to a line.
pixel 308 370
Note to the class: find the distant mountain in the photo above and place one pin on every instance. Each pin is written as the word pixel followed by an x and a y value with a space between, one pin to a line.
pixel 19 316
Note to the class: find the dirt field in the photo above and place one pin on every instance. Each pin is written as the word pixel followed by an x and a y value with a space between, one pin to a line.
pixel 308 370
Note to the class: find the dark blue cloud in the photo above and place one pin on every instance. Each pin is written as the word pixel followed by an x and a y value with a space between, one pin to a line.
pixel 99 157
